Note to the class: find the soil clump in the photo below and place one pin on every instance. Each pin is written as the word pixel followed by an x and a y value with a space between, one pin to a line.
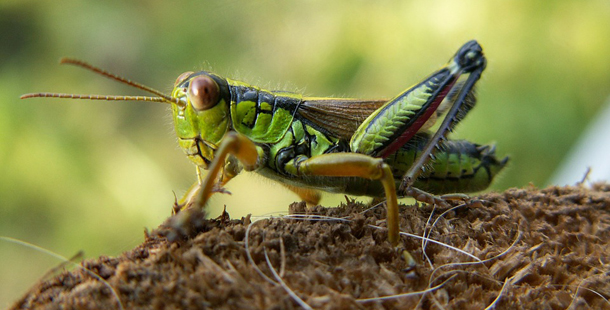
pixel 527 249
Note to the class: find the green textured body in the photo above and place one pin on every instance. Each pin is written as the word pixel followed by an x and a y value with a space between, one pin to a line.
pixel 287 129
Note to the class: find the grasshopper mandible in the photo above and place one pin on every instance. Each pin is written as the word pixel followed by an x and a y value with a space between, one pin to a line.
pixel 361 147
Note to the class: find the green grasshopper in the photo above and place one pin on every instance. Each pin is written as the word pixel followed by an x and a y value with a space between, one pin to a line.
pixel 351 146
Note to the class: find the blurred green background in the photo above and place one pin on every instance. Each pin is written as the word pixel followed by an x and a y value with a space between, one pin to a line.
pixel 84 175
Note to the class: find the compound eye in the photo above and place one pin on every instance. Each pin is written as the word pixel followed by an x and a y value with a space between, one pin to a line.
pixel 182 77
pixel 203 92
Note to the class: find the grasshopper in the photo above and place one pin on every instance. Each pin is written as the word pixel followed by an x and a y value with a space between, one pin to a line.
pixel 362 147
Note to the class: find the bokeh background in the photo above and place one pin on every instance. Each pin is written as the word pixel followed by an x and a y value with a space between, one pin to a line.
pixel 91 176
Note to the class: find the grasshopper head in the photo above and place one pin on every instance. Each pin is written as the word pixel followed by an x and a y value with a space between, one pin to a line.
pixel 202 116
pixel 200 105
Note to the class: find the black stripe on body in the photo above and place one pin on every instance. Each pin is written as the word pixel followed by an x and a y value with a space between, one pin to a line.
pixel 241 94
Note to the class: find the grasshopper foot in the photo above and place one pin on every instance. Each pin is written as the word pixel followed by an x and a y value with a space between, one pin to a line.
pixel 425 197
pixel 184 225
pixel 189 199
pixel 409 270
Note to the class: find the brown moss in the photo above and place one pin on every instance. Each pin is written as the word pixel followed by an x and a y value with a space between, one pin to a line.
pixel 560 259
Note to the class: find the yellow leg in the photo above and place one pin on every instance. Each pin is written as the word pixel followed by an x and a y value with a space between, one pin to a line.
pixel 187 199
pixel 357 165
pixel 234 144
pixel 310 196
pixel 221 171
pixel 199 177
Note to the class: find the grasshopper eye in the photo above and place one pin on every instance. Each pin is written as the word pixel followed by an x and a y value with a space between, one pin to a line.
pixel 182 77
pixel 203 92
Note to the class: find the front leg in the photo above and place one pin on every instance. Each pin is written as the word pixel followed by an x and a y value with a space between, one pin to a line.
pixel 231 169
pixel 233 144
pixel 222 170
pixel 243 149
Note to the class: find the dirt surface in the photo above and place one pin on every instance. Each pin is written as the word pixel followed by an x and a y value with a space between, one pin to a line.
pixel 540 249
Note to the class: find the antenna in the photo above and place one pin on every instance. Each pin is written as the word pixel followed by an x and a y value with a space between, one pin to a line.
pixel 161 97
